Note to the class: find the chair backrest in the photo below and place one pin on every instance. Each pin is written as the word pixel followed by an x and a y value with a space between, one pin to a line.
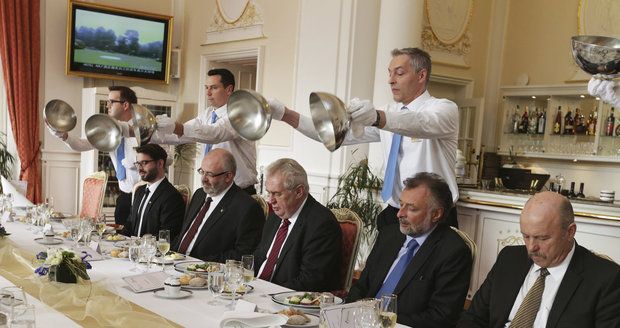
pixel 135 187
pixel 185 192
pixel 511 240
pixel 468 241
pixel 263 204
pixel 350 225
pixel 93 193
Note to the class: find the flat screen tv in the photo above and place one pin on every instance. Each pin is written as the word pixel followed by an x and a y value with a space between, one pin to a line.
pixel 114 43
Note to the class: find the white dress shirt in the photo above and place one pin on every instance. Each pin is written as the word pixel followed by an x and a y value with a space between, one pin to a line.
pixel 144 203
pixel 214 201
pixel 221 135
pixel 292 221
pixel 131 177
pixel 552 283
pixel 430 129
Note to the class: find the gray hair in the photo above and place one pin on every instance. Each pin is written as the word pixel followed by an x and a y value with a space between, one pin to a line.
pixel 292 173
pixel 440 194
pixel 419 59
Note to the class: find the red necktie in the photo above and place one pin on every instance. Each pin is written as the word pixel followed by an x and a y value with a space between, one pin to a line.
pixel 189 236
pixel 275 251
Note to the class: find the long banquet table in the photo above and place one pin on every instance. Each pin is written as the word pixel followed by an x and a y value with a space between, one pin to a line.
pixel 129 307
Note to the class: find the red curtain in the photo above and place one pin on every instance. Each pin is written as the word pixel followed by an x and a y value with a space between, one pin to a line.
pixel 20 44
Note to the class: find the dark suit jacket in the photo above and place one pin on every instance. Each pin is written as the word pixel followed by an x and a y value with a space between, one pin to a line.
pixel 233 228
pixel 432 291
pixel 588 296
pixel 310 257
pixel 163 211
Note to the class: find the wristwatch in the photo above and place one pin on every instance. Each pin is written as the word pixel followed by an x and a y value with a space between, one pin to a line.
pixel 378 119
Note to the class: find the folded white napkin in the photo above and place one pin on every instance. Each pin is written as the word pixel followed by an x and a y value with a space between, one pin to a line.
pixel 232 319
pixel 18 198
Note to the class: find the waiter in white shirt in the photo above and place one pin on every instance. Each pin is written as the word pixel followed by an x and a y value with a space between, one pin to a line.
pixel 418 131
pixel 212 128
pixel 119 104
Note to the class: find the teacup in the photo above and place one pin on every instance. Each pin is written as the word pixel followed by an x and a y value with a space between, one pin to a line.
pixel 172 286
pixel 49 237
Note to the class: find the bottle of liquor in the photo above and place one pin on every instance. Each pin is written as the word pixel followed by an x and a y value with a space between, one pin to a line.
pixel 516 120
pixel 594 121
pixel 589 124
pixel 525 121
pixel 569 123
pixel 542 120
pixel 533 123
pixel 580 194
pixel 557 124
pixel 579 125
pixel 571 193
pixel 611 121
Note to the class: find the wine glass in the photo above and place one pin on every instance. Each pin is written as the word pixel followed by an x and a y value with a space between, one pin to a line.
pixel 215 281
pixel 149 249
pixel 163 245
pixel 248 268
pixel 388 311
pixel 10 297
pixel 100 225
pixel 134 256
pixel 233 275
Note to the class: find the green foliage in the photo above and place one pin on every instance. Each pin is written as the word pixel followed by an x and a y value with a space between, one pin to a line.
pixel 357 189
pixel 6 159
pixel 183 156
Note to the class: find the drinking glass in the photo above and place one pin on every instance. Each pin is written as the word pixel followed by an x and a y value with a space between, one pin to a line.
pixel 388 311
pixel 233 275
pixel 149 249
pixel 22 316
pixel 367 313
pixel 10 297
pixel 248 268
pixel 215 282
pixel 100 225
pixel 163 245
pixel 134 256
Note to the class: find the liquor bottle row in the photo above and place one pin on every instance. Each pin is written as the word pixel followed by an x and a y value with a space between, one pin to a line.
pixel 530 123
pixel 570 193
pixel 568 124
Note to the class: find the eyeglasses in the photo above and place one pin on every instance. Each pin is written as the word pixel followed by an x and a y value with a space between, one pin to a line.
pixel 111 101
pixel 143 163
pixel 210 174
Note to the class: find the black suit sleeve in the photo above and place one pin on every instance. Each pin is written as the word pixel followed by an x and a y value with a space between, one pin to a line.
pixel 129 225
pixel 361 288
pixel 171 213
pixel 321 257
pixel 249 230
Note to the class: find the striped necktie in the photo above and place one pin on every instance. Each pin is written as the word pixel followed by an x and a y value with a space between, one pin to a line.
pixel 531 303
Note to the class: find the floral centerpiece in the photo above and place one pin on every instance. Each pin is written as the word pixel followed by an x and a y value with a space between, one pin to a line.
pixel 3 232
pixel 63 265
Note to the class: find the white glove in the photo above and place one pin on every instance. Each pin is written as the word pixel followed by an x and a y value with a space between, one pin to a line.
pixel 362 112
pixel 277 109
pixel 594 86
pixel 61 135
pixel 165 124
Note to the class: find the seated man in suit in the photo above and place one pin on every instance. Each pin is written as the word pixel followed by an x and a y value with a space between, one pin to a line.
pixel 157 205
pixel 222 222
pixel 550 281
pixel 422 260
pixel 300 246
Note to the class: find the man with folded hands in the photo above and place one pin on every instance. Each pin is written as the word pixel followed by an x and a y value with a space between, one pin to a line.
pixel 301 242
pixel 421 260
pixel 222 222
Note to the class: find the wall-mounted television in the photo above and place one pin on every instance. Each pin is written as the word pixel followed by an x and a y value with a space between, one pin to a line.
pixel 114 43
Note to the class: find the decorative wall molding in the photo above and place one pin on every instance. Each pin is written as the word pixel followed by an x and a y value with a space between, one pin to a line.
pixel 446 31
pixel 235 20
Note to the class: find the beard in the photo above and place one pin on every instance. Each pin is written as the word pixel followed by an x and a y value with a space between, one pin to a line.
pixel 416 230
pixel 148 176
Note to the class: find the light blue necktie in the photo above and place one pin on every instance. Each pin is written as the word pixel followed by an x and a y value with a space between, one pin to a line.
pixel 392 280
pixel 120 155
pixel 390 169
pixel 213 119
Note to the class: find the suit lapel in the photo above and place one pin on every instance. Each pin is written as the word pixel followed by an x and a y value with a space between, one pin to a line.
pixel 510 286
pixel 158 192
pixel 295 233
pixel 570 282
pixel 136 209
pixel 196 205
pixel 393 244
pixel 420 258
pixel 217 214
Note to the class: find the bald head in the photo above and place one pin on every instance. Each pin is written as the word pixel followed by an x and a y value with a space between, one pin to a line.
pixel 548 227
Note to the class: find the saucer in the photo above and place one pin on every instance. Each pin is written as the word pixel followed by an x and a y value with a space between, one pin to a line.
pixel 44 241
pixel 182 294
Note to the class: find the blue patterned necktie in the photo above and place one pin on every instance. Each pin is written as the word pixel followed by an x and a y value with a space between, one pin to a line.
pixel 120 155
pixel 390 168
pixel 392 280
pixel 213 119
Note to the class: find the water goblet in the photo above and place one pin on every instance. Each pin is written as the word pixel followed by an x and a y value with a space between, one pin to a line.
pixel 215 281
pixel 100 225
pixel 134 256
pixel 149 249
pixel 9 297
pixel 233 275
pixel 22 316
pixel 367 313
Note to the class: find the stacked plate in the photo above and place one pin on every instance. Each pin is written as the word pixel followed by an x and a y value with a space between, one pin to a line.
pixel 608 195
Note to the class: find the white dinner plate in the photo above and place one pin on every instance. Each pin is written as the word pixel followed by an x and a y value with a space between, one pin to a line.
pixel 182 294
pixel 123 243
pixel 121 238
pixel 182 267
pixel 314 322
pixel 228 295
pixel 44 241
pixel 280 298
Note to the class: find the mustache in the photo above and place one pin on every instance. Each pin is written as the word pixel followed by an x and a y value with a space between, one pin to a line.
pixel 536 254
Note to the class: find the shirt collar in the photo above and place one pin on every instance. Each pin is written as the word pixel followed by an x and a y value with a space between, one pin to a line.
pixel 153 186
pixel 560 269
pixel 417 101
pixel 221 111
pixel 218 197
pixel 295 215
pixel 420 239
